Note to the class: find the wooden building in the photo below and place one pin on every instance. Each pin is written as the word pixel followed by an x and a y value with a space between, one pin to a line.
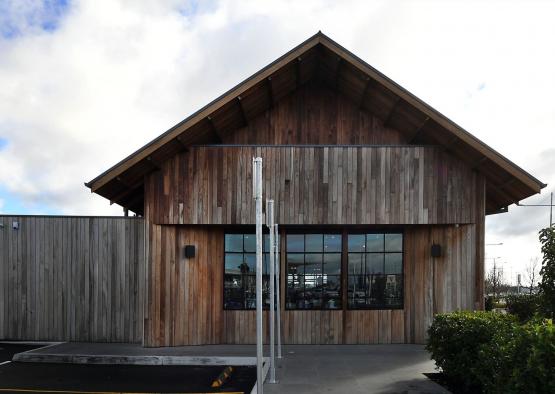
pixel 366 178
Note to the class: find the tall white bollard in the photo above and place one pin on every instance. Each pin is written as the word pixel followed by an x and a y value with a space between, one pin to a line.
pixel 257 190
pixel 278 299
pixel 270 224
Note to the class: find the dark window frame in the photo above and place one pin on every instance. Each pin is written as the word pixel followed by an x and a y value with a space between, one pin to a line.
pixel 243 232
pixel 342 230
pixel 314 231
pixel 384 252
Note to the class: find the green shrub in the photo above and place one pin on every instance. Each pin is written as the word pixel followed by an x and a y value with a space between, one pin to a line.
pixel 547 272
pixel 499 305
pixel 455 339
pixel 533 360
pixel 519 360
pixel 523 306
pixel 491 352
pixel 488 304
pixel 493 368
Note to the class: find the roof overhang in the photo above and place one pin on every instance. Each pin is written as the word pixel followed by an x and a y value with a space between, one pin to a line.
pixel 320 58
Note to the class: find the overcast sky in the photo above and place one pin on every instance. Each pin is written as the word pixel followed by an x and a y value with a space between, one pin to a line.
pixel 85 83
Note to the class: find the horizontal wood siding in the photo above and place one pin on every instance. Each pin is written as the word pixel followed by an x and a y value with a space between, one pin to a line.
pixel 185 302
pixel 71 279
pixel 314 185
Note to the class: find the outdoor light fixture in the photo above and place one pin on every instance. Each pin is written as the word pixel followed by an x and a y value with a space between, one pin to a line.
pixel 436 250
pixel 189 251
pixel 15 225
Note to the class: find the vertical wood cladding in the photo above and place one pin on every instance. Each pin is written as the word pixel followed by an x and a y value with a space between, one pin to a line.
pixel 185 304
pixel 72 279
pixel 314 185
pixel 315 115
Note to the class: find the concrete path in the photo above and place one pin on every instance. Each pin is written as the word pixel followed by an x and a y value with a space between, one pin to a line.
pixel 354 369
pixel 135 354
pixel 304 369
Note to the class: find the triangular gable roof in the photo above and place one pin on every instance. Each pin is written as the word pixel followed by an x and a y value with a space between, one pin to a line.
pixel 319 57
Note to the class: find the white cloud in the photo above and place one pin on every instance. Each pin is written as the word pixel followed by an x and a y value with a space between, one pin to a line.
pixel 115 74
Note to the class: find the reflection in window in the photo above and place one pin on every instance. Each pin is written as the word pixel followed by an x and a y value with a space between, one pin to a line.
pixel 313 271
pixel 240 272
pixel 375 271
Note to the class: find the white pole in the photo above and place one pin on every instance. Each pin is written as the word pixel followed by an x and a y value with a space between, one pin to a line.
pixel 270 224
pixel 278 300
pixel 257 190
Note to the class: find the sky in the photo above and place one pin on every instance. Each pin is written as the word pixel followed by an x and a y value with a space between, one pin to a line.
pixel 85 83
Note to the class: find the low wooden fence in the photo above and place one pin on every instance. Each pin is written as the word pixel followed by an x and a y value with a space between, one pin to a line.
pixel 71 278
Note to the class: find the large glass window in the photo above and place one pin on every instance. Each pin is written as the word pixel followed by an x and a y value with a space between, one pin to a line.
pixel 313 271
pixel 240 272
pixel 375 271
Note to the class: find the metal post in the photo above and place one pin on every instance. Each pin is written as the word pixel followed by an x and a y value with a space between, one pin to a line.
pixel 278 299
pixel 551 211
pixel 257 190
pixel 270 224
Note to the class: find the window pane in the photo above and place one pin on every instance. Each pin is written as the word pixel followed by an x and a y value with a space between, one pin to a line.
pixel 266 264
pixel 393 263
pixel 295 263
pixel 393 242
pixel 356 243
pixel 295 292
pixel 331 292
pixel 314 243
pixel 332 242
pixel 312 281
pixel 356 264
pixel 313 263
pixel 295 242
pixel 331 282
pixel 394 291
pixel 234 242
pixel 250 261
pixel 233 263
pixel 266 240
pixel 377 289
pixel 374 263
pixel 374 243
pixel 233 292
pixel 313 298
pixel 250 292
pixel 332 263
pixel 357 292
pixel 250 243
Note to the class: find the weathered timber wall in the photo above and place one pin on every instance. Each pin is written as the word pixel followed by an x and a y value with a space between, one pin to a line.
pixel 315 115
pixel 72 279
pixel 185 305
pixel 314 185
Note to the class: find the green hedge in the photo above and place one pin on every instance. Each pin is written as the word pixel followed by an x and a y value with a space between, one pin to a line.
pixel 454 341
pixel 491 352
pixel 524 306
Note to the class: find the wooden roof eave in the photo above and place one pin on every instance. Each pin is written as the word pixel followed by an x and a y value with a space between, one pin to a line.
pixel 201 114
pixel 433 114
pixel 183 130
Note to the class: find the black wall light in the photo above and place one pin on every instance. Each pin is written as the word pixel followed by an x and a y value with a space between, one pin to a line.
pixel 189 251
pixel 436 250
